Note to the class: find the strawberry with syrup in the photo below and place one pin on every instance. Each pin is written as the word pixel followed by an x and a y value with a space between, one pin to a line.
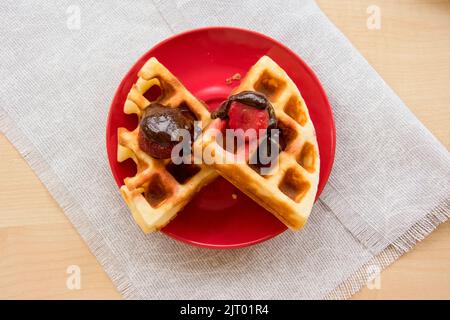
pixel 250 110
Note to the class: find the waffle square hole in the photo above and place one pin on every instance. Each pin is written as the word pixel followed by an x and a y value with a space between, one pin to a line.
pixel 270 85
pixel 307 157
pixel 264 170
pixel 270 154
pixel 182 172
pixel 294 185
pixel 167 90
pixel 187 111
pixel 153 93
pixel 296 110
pixel 287 135
pixel 157 191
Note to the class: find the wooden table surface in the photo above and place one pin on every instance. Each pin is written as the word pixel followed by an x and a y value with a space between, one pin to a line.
pixel 411 51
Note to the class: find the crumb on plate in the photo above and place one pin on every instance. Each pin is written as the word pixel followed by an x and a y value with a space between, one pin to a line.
pixel 234 77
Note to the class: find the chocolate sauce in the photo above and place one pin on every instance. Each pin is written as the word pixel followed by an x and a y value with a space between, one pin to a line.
pixel 158 128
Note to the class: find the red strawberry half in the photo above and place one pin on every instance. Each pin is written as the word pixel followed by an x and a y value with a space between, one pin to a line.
pixel 245 117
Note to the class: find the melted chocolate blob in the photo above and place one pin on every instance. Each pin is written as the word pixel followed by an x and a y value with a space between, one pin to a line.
pixel 158 129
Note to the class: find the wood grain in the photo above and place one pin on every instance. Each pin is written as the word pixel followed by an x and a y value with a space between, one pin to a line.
pixel 411 51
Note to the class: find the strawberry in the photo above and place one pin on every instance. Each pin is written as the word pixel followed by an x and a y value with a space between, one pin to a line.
pixel 246 117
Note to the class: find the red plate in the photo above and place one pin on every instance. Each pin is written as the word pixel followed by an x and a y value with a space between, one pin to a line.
pixel 202 59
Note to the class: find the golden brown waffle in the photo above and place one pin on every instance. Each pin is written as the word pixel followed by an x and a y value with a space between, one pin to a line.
pixel 290 189
pixel 159 189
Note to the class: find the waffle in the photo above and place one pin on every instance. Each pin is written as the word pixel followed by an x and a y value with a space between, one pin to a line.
pixel 289 190
pixel 160 189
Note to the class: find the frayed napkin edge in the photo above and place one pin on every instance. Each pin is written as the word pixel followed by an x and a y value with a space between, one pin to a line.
pixel 418 232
